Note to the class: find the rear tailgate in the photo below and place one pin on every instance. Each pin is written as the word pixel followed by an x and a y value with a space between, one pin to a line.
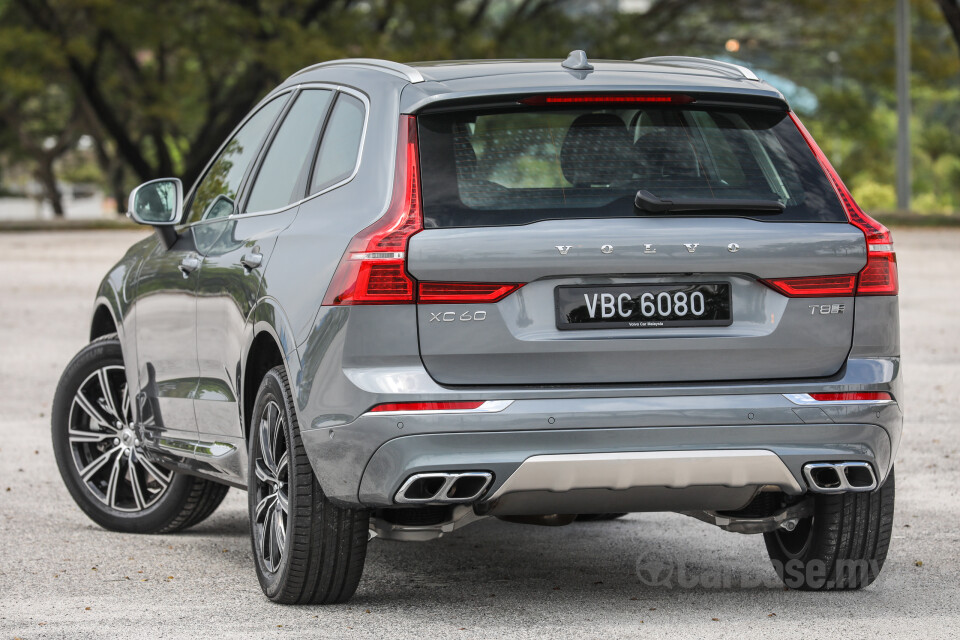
pixel 518 340
pixel 542 198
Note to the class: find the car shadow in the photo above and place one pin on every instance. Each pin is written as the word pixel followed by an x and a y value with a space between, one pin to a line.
pixel 636 560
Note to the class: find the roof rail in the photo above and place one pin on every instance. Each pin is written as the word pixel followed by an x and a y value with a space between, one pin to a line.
pixel 387 66
pixel 703 63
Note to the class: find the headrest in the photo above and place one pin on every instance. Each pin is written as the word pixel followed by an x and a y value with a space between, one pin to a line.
pixel 666 152
pixel 465 157
pixel 597 150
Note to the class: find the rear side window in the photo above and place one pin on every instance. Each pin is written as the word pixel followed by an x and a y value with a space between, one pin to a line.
pixel 340 147
pixel 289 152
pixel 490 168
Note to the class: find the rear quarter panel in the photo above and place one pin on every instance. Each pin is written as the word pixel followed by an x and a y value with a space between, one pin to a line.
pixel 307 252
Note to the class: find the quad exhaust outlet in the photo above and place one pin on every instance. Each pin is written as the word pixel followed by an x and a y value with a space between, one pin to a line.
pixel 839 477
pixel 444 488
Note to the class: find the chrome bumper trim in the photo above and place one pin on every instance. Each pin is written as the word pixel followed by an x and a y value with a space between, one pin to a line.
pixel 674 469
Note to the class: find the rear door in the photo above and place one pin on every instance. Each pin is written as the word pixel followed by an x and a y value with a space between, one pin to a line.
pixel 231 278
pixel 166 304
pixel 544 197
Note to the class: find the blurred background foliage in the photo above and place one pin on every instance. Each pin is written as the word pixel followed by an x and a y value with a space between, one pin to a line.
pixel 111 93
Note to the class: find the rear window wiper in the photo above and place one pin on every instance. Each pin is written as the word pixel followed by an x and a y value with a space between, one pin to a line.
pixel 655 204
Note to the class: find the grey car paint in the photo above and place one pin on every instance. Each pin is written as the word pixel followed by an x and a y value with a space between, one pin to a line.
pixel 166 313
pixel 518 341
pixel 344 360
pixel 446 83
pixel 227 292
pixel 693 415
pixel 501 452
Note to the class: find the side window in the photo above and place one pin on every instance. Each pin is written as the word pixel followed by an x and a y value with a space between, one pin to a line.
pixel 290 150
pixel 340 147
pixel 217 191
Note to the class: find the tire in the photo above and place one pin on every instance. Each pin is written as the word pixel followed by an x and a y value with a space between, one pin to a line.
pixel 306 549
pixel 101 461
pixel 842 546
pixel 598 517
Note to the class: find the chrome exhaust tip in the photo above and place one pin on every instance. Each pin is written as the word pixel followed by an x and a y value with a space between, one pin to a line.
pixel 444 488
pixel 839 477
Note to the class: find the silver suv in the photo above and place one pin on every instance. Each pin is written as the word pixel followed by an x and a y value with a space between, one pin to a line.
pixel 403 298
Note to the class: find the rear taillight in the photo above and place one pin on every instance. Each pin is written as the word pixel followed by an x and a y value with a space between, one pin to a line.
pixel 460 292
pixel 814 286
pixel 373 268
pixel 879 277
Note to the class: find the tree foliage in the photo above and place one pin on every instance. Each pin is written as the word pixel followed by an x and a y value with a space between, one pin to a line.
pixel 158 85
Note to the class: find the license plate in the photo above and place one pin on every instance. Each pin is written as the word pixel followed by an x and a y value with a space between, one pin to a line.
pixel 643 306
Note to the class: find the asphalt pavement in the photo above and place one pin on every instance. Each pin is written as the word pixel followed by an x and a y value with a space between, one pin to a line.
pixel 647 575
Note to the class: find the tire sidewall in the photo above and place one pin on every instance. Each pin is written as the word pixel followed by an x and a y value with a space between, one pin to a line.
pixel 271 389
pixel 822 546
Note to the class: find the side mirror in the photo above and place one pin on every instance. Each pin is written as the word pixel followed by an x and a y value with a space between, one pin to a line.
pixel 158 203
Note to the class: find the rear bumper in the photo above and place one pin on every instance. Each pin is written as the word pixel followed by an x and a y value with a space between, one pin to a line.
pixel 366 461
pixel 687 461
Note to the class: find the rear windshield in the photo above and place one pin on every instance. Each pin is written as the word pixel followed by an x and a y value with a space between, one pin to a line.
pixel 507 167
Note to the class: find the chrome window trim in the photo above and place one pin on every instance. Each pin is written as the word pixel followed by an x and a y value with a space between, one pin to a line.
pixel 216 154
pixel 356 169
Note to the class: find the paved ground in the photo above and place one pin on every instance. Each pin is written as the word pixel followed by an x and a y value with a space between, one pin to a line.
pixel 93 207
pixel 60 575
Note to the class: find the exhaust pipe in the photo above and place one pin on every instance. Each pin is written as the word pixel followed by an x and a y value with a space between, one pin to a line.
pixel 840 477
pixel 444 488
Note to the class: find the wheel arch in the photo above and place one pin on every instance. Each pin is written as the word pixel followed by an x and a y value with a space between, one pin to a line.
pixel 269 344
pixel 103 322
pixel 264 355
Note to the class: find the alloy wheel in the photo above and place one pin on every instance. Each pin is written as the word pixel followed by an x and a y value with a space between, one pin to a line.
pixel 271 465
pixel 795 543
pixel 106 450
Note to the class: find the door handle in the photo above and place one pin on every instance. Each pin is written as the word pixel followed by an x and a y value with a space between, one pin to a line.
pixel 189 264
pixel 252 260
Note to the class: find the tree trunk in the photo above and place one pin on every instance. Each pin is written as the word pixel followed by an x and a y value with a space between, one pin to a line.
pixel 48 180
pixel 117 187
pixel 951 13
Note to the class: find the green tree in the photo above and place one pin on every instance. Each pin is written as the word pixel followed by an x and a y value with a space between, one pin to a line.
pixel 165 82
pixel 40 118
pixel 159 85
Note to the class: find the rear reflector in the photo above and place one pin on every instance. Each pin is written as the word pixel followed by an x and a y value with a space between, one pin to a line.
pixel 373 268
pixel 458 292
pixel 411 407
pixel 815 286
pixel 592 98
pixel 852 396
pixel 879 277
